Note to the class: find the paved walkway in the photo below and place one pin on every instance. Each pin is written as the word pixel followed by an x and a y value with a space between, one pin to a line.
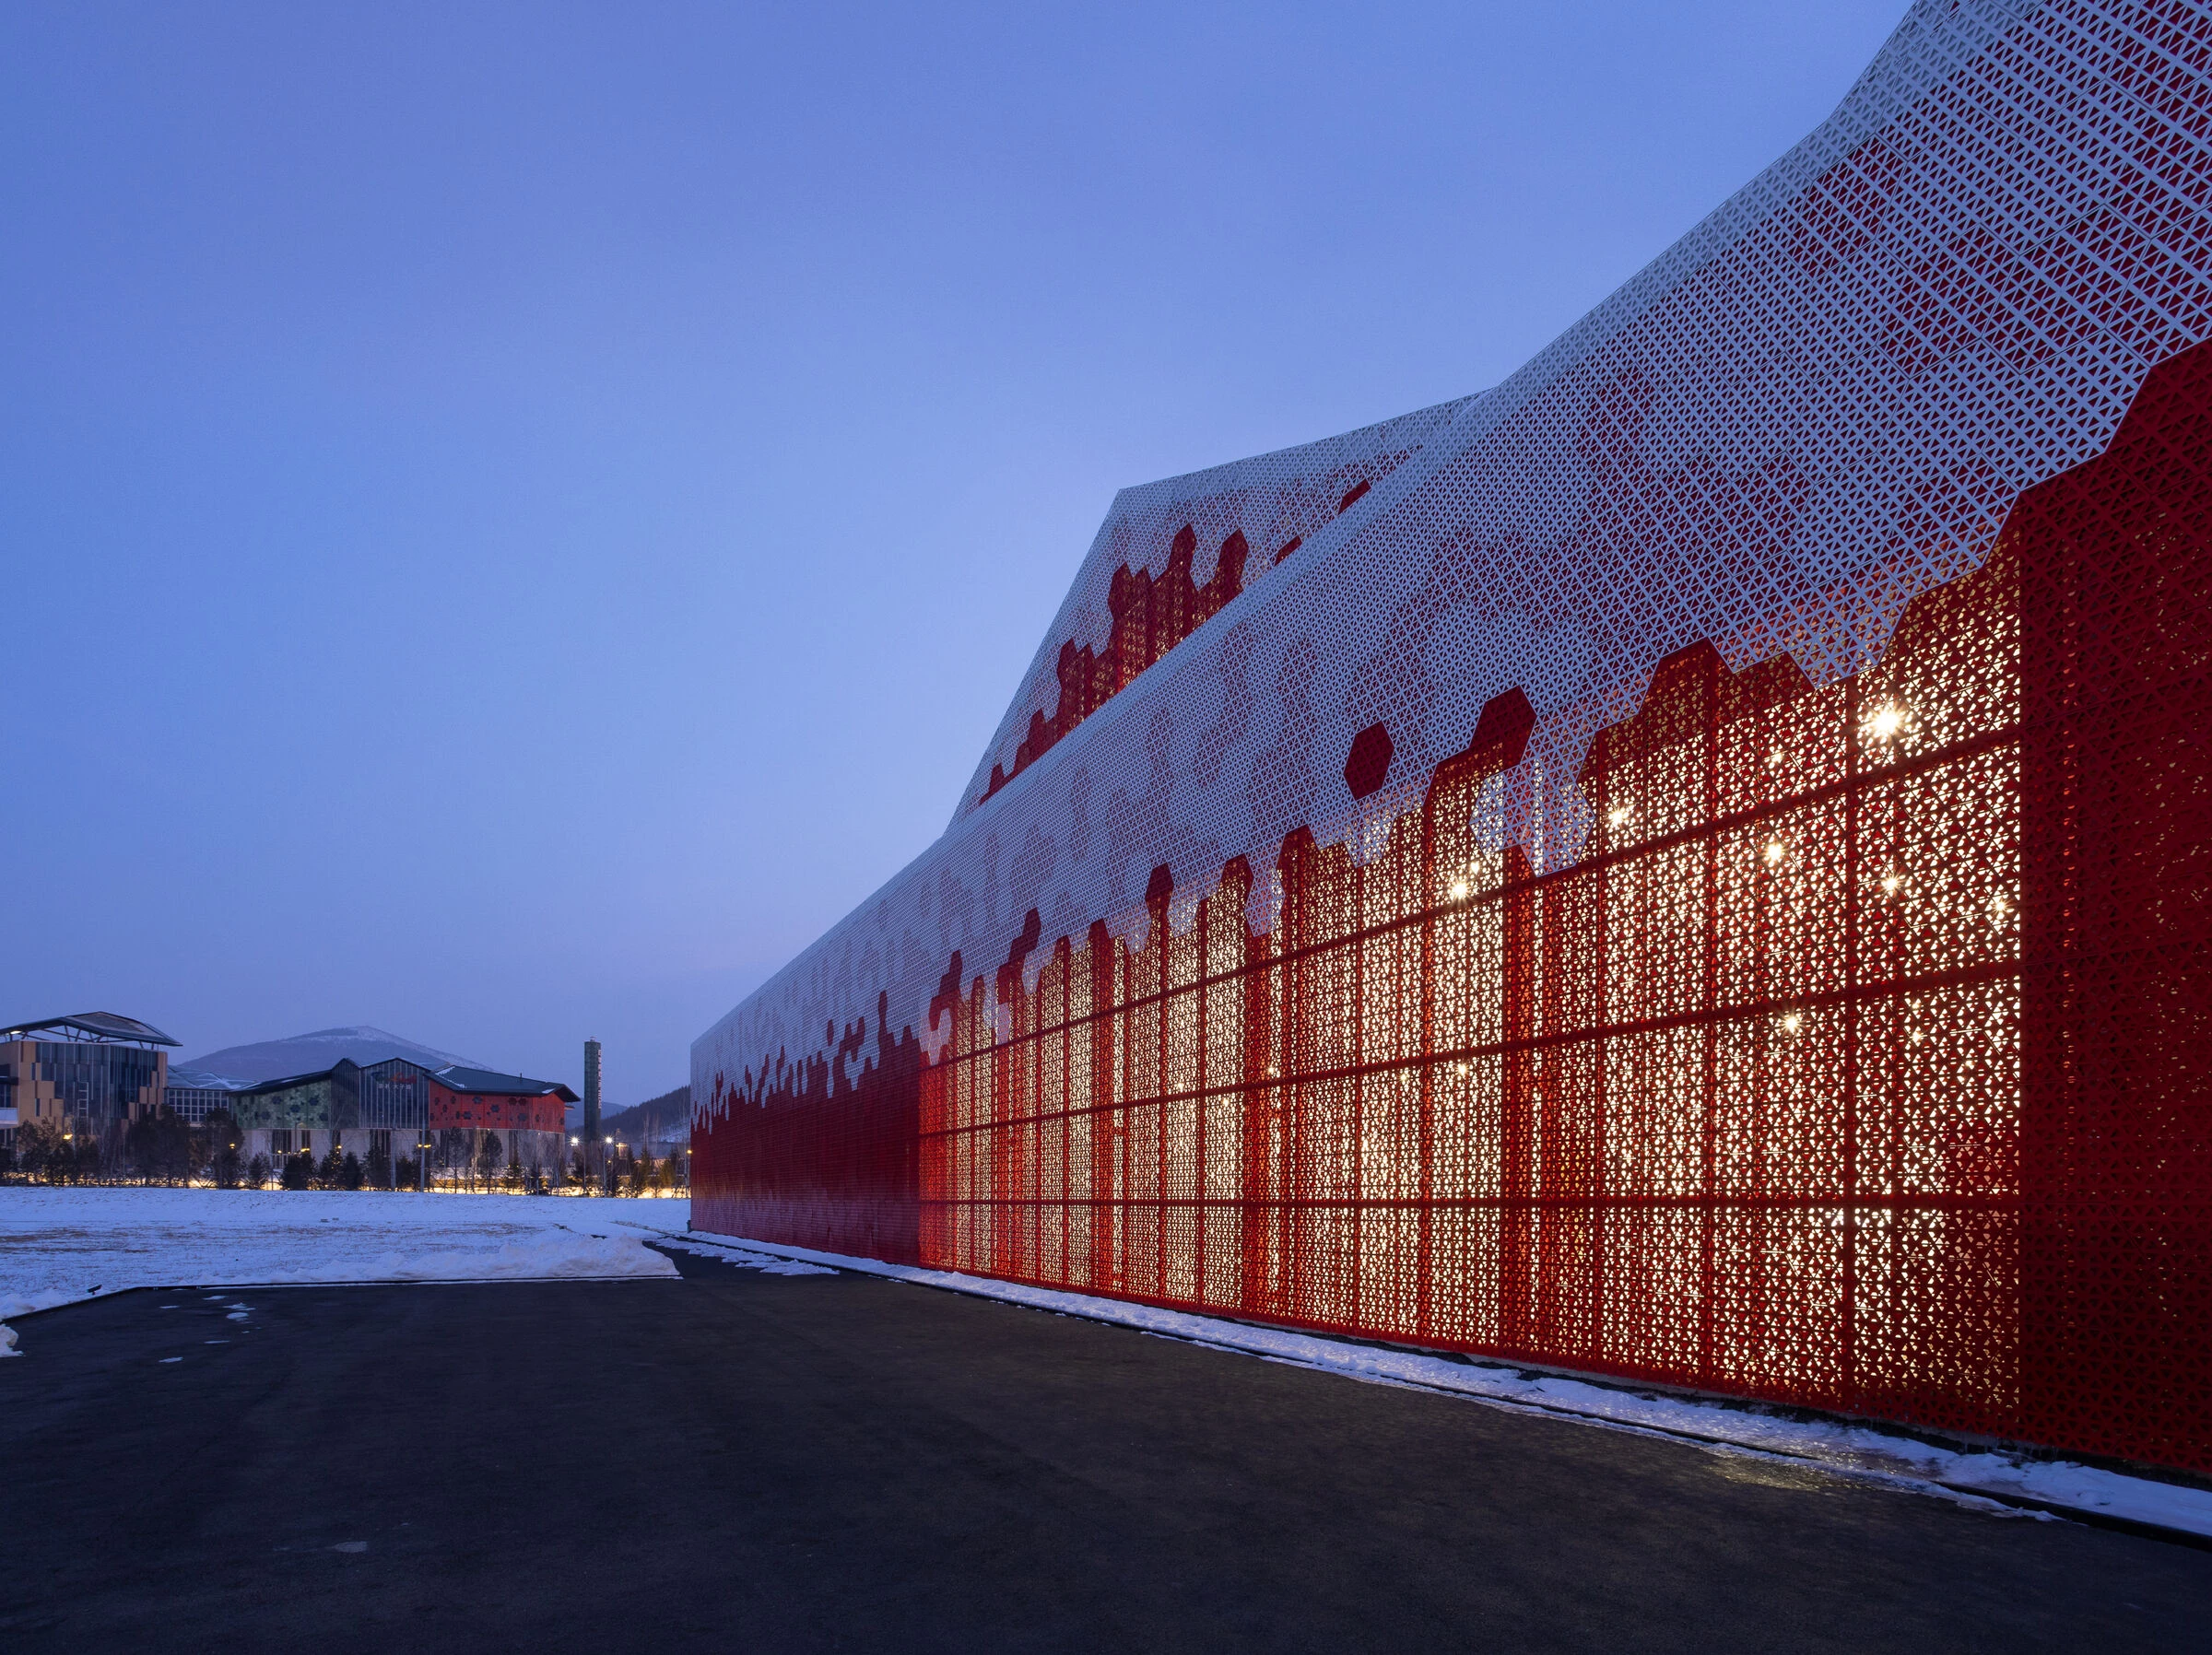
pixel 736 1462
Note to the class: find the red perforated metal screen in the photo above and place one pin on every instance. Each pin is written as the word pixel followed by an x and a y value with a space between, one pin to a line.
pixel 1857 1062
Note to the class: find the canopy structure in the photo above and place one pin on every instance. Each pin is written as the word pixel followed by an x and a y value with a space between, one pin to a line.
pixel 89 1025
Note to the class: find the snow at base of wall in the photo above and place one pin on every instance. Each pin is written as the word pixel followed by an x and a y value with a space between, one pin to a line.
pixel 1988 1480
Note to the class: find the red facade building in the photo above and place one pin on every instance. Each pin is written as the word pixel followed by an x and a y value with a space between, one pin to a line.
pixel 1690 865
pixel 530 1116
pixel 480 1099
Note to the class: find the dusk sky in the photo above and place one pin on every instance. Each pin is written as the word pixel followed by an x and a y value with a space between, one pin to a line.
pixel 516 518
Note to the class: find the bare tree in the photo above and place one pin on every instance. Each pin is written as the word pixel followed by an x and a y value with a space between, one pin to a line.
pixel 488 1157
pixel 455 1146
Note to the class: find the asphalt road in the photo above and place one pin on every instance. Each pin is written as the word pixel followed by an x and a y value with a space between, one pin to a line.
pixel 741 1463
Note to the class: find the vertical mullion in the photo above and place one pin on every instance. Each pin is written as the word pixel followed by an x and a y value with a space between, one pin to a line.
pixel 1848 1333
pixel 1709 994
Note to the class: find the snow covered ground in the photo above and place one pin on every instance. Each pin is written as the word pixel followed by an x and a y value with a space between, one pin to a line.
pixel 1992 1481
pixel 58 1246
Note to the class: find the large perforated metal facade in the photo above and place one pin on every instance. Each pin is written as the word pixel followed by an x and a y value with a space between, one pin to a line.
pixel 1689 865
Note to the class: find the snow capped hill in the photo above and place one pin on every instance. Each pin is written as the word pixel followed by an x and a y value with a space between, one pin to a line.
pixel 307 1053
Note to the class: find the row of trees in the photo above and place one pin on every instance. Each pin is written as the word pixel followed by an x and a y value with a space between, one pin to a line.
pixel 164 1149
pixel 632 1172
pixel 154 1149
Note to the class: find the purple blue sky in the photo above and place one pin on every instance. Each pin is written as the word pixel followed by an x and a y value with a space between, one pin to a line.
pixel 517 517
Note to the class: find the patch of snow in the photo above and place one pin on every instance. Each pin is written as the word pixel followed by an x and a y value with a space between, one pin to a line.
pixel 24 1303
pixel 1988 1480
pixel 7 1341
pixel 745 1259
pixel 61 1246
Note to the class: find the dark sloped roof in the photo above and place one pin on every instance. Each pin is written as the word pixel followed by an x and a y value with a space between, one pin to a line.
pixel 283 1081
pixel 100 1025
pixel 455 1078
pixel 378 1070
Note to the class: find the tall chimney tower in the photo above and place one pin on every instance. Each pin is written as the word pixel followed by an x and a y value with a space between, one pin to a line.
pixel 591 1096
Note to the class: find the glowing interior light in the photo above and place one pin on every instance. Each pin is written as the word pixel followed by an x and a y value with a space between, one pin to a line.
pixel 1884 723
pixel 1773 852
pixel 1616 816
pixel 1459 1068
pixel 1791 1022
pixel 1890 885
pixel 1998 906
pixel 1459 889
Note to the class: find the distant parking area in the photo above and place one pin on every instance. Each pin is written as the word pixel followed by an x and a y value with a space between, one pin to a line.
pixel 735 1461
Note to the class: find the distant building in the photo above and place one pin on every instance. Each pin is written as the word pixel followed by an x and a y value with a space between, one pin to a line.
pixel 530 1115
pixel 385 1109
pixel 96 1072
pixel 87 1073
pixel 192 1095
pixel 375 1110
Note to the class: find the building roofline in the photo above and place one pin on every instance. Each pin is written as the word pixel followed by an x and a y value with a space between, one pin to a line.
pixel 102 1028
pixel 490 1083
pixel 283 1081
